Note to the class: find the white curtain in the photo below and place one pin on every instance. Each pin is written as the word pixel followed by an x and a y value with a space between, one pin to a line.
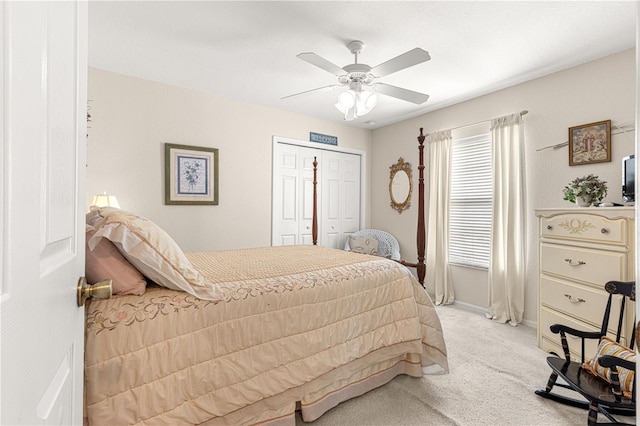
pixel 438 278
pixel 507 264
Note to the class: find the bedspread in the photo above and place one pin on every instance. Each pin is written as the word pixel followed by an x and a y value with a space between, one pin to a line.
pixel 296 325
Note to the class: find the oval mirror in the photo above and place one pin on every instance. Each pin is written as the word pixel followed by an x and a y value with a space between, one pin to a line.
pixel 400 185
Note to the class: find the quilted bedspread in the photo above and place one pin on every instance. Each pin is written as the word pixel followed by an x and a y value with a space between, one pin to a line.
pixel 295 325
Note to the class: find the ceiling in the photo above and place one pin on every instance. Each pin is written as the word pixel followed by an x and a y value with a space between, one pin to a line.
pixel 247 50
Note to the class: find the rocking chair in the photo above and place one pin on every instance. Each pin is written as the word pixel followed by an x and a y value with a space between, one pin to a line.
pixel 607 397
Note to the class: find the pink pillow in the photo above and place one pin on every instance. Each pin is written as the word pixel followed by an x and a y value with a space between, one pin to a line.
pixel 105 261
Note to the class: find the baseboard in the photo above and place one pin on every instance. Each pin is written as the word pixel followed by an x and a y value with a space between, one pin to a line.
pixel 481 310
pixel 470 307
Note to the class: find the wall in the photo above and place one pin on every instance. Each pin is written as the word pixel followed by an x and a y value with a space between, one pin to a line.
pixel 133 118
pixel 596 91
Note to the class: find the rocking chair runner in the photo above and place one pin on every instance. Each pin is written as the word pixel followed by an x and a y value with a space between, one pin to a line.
pixel 602 397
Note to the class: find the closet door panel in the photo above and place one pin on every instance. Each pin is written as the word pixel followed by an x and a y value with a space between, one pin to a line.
pixel 351 200
pixel 332 209
pixel 285 201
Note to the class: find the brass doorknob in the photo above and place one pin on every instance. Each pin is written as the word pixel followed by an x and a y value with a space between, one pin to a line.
pixel 99 290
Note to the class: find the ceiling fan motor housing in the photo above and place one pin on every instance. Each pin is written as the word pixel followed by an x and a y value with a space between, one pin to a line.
pixel 357 72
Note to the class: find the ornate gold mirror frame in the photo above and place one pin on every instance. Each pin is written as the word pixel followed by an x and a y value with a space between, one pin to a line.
pixel 398 187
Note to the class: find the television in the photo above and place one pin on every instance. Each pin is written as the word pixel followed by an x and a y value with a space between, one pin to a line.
pixel 629 179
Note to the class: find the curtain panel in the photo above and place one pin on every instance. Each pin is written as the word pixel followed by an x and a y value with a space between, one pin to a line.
pixel 438 280
pixel 508 236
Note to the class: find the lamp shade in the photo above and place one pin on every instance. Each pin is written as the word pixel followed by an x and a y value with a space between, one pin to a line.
pixel 347 99
pixel 104 200
pixel 356 102
pixel 365 102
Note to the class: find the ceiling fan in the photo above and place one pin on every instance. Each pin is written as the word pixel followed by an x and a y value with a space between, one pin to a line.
pixel 362 93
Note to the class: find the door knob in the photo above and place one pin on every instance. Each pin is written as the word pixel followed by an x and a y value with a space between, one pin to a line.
pixel 99 290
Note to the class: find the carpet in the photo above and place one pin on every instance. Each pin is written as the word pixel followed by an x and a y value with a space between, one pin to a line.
pixel 494 370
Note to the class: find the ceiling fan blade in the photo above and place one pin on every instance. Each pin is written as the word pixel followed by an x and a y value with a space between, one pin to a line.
pixel 320 62
pixel 400 93
pixel 318 89
pixel 406 60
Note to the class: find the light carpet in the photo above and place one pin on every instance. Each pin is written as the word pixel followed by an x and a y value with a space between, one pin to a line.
pixel 494 370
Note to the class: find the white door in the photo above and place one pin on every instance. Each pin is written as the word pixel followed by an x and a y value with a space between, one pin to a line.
pixel 351 193
pixel 293 194
pixel 285 197
pixel 340 185
pixel 331 209
pixel 42 209
pixel 339 194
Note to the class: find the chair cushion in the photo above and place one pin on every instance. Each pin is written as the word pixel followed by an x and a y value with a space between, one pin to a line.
pixel 608 346
pixel 363 244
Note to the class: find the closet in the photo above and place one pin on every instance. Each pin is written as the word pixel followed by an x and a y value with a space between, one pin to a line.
pixel 339 193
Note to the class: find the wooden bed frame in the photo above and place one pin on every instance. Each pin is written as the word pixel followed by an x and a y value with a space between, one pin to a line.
pixel 366 296
pixel 420 265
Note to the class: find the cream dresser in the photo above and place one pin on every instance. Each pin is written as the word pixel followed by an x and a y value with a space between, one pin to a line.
pixel 580 249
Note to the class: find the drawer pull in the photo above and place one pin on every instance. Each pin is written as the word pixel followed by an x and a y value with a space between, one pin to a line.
pixel 572 263
pixel 574 299
pixel 604 231
pixel 549 227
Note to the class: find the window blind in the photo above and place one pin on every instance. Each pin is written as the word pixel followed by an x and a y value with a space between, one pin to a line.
pixel 470 202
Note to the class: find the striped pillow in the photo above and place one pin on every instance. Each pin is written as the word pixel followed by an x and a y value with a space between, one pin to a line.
pixel 608 346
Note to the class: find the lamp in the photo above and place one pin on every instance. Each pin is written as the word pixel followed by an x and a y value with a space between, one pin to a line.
pixel 357 101
pixel 104 200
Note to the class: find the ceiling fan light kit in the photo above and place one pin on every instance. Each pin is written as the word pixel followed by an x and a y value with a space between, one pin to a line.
pixel 357 101
pixel 362 94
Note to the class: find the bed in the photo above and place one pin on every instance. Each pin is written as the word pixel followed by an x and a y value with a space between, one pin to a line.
pixel 246 336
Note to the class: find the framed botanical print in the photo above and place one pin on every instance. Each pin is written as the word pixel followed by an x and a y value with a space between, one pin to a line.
pixel 191 174
pixel 590 143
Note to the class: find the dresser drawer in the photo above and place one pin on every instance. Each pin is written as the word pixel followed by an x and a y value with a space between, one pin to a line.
pixel 588 265
pixel 555 347
pixel 582 302
pixel 585 227
pixel 548 317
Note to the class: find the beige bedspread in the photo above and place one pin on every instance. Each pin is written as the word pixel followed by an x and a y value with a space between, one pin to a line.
pixel 303 324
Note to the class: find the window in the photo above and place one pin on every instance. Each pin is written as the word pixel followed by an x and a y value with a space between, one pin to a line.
pixel 470 202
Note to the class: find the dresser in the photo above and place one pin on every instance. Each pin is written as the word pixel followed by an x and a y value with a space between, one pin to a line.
pixel 580 249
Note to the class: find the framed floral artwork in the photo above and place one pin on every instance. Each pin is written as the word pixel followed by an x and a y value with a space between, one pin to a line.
pixel 590 143
pixel 191 174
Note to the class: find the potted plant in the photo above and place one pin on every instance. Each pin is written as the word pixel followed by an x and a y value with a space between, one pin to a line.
pixel 585 191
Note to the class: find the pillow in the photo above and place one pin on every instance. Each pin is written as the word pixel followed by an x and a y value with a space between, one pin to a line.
pixel 105 261
pixel 608 346
pixel 363 244
pixel 93 217
pixel 152 251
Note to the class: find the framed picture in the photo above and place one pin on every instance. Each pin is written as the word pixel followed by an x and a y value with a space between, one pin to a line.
pixel 590 143
pixel 191 174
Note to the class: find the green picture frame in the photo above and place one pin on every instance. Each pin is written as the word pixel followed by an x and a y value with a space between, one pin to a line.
pixel 191 175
